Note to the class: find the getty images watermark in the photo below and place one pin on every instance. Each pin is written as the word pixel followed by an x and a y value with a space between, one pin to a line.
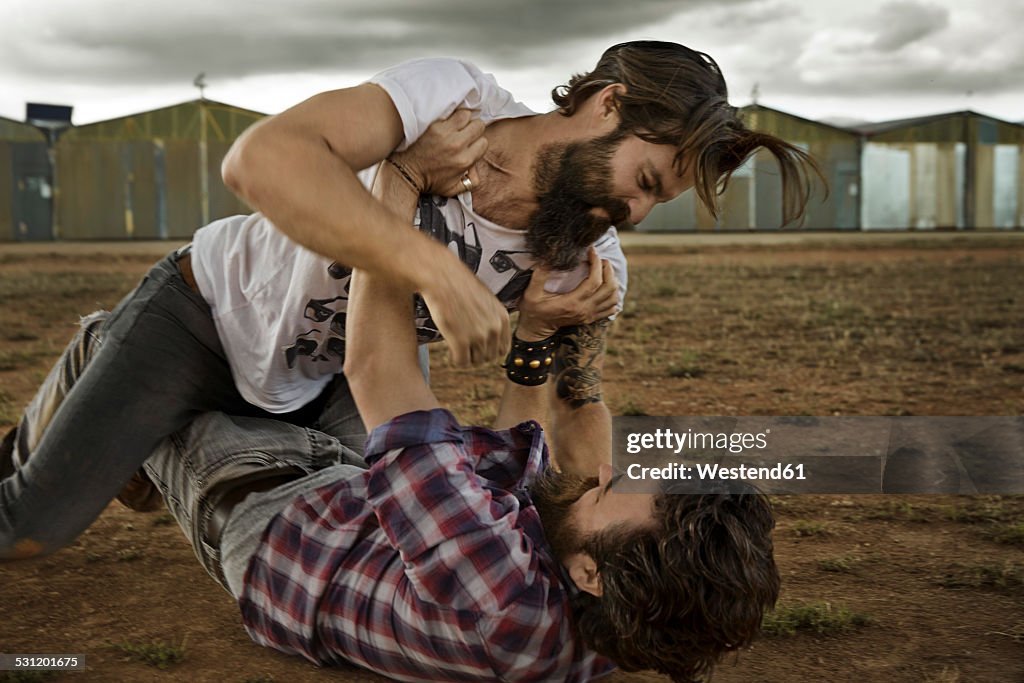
pixel 820 454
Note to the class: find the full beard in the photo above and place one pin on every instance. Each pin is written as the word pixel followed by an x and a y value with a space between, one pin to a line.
pixel 572 180
pixel 553 494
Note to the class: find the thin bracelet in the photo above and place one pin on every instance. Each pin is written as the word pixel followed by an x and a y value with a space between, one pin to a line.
pixel 405 174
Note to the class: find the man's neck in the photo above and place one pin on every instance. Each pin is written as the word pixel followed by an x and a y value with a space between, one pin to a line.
pixel 506 193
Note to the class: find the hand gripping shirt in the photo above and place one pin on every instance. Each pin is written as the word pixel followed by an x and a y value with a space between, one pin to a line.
pixel 429 566
pixel 280 308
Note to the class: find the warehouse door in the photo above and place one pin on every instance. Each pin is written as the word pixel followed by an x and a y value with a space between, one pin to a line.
pixel 885 200
pixel 33 193
pixel 1004 187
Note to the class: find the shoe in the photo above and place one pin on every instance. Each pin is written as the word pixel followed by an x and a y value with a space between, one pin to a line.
pixel 141 494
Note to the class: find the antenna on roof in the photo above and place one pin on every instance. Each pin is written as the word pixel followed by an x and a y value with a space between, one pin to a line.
pixel 200 82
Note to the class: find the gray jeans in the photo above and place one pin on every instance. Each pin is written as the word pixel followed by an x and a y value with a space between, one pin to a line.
pixel 194 466
pixel 107 406
pixel 216 449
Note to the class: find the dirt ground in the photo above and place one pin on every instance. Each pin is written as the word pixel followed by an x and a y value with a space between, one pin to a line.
pixel 875 588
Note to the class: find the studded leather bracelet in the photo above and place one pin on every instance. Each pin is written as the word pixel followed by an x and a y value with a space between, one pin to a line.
pixel 528 363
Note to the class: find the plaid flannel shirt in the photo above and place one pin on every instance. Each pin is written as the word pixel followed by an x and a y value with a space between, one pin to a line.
pixel 429 566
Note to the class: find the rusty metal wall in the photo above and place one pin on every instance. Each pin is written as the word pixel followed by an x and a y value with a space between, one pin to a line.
pixel 139 177
pixel 90 200
pixel 138 190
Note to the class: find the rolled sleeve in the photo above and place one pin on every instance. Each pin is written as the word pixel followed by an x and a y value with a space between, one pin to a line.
pixel 412 429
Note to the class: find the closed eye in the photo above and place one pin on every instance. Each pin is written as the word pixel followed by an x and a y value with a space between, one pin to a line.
pixel 607 487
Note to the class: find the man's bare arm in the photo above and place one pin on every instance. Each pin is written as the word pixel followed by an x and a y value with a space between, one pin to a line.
pixel 381 364
pixel 299 168
pixel 580 421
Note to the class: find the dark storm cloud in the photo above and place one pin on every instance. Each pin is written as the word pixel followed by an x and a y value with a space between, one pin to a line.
pixel 904 22
pixel 137 44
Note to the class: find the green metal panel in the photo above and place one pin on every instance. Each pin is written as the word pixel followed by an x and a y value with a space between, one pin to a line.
pixel 178 122
pixel 951 128
pixel 961 126
pixel 24 209
pixel 184 214
pixel 32 191
pixel 16 131
pixel 223 202
pixel 141 191
pixel 91 191
pixel 140 176
pixel 790 127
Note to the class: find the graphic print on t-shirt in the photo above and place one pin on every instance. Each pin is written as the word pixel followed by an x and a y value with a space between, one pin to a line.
pixel 311 343
pixel 506 272
pixel 502 262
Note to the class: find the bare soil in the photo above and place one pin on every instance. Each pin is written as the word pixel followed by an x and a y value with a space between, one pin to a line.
pixel 920 588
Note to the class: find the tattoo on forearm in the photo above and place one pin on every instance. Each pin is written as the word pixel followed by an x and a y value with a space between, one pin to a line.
pixel 577 376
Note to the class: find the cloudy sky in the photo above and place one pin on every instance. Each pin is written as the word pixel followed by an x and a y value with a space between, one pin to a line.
pixel 862 59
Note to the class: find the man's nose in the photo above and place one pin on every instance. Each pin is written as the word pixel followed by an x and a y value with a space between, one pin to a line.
pixel 639 208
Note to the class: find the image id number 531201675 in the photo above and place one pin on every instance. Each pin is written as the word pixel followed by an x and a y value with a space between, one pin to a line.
pixel 40 662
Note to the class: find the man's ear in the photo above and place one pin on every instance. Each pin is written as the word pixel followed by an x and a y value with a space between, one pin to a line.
pixel 607 101
pixel 583 572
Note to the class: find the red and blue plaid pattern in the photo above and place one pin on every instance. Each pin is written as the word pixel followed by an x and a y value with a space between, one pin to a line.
pixel 429 566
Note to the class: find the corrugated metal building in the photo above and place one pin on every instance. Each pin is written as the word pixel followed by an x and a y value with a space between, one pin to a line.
pixel 25 183
pixel 753 199
pixel 152 175
pixel 956 170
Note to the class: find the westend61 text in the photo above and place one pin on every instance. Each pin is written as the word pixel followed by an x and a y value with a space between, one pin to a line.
pixel 714 471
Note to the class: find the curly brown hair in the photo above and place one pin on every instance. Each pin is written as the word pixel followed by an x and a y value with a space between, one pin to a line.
pixel 677 597
pixel 677 96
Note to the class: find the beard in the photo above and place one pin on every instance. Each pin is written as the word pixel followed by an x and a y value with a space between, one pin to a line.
pixel 553 494
pixel 572 180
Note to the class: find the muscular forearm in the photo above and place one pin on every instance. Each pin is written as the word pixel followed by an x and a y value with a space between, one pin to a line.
pixel 580 421
pixel 521 403
pixel 581 438
pixel 381 364
pixel 380 360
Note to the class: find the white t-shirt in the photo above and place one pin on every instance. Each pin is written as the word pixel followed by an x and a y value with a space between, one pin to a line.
pixel 280 308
